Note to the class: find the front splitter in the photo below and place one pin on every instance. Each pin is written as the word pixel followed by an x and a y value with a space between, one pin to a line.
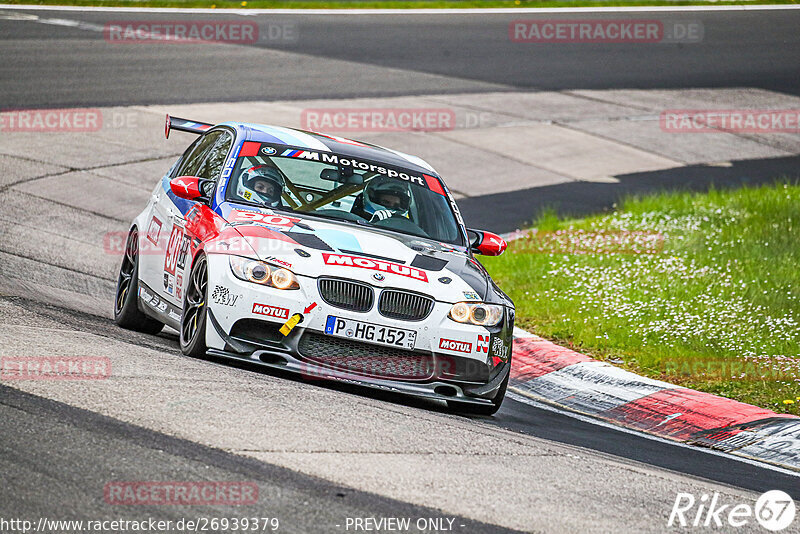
pixel 428 390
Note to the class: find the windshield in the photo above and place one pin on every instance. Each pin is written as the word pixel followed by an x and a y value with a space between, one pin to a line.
pixel 340 187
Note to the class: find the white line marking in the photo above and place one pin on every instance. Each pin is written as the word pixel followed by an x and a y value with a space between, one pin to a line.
pixel 519 333
pixel 512 394
pixel 668 418
pixel 466 11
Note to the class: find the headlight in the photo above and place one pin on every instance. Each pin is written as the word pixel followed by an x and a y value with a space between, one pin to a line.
pixel 282 278
pixel 262 273
pixel 476 313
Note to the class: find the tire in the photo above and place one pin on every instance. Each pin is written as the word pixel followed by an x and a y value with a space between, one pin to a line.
pixel 126 310
pixel 193 319
pixel 481 409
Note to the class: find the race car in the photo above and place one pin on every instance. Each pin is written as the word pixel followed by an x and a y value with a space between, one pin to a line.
pixel 322 256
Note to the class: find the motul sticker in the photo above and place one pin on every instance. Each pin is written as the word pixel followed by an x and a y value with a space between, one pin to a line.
pixel 263 218
pixel 271 311
pixel 455 346
pixel 375 265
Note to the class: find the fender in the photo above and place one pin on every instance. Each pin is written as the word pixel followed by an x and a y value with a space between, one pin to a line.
pixel 211 233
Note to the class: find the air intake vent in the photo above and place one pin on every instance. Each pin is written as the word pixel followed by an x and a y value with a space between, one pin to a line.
pixel 404 305
pixel 347 356
pixel 346 295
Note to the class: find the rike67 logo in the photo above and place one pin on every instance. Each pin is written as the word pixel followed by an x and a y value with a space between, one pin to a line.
pixel 774 511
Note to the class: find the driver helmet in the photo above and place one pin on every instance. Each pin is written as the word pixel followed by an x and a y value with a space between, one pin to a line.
pixel 387 195
pixel 262 184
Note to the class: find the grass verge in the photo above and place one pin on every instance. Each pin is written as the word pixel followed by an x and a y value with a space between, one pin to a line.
pixel 701 290
pixel 385 4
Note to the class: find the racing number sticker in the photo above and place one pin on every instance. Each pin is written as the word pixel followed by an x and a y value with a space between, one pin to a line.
pixel 264 218
pixel 175 239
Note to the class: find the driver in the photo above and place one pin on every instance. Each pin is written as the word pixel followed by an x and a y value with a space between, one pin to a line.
pixel 386 197
pixel 262 184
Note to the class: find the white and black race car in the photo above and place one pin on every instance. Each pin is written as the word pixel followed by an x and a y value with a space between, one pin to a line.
pixel 323 256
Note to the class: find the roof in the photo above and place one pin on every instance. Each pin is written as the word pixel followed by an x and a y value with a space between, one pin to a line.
pixel 319 142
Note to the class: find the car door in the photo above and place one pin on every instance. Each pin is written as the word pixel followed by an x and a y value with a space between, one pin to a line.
pixel 166 229
pixel 152 243
pixel 187 225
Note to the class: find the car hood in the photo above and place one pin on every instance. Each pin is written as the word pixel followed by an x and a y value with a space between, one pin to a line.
pixel 311 246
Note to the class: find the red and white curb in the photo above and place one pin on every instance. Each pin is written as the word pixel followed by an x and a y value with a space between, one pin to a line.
pixel 547 372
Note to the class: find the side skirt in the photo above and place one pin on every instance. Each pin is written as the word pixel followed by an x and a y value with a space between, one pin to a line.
pixel 158 308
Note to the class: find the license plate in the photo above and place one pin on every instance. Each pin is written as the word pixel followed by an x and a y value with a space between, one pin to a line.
pixel 382 335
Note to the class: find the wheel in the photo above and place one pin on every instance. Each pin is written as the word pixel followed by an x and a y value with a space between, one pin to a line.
pixel 481 409
pixel 193 320
pixel 126 310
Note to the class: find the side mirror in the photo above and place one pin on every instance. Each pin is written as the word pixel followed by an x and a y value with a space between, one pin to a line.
pixel 191 187
pixel 486 243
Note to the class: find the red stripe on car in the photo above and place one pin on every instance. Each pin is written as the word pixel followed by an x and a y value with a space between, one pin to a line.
pixel 434 184
pixel 249 148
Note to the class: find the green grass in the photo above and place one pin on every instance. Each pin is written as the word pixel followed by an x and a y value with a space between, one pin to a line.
pixel 717 308
pixel 385 4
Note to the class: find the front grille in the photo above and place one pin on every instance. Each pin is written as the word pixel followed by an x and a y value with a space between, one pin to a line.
pixel 348 356
pixel 346 295
pixel 404 305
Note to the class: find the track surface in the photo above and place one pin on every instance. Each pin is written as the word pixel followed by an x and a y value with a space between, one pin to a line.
pixel 83 451
pixel 527 468
pixel 214 422
pixel 47 64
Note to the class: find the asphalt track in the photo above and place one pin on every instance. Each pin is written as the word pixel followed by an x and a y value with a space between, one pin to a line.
pixel 319 453
pixel 60 458
pixel 51 64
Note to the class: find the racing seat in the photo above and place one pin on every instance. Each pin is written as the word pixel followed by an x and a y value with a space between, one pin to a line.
pixel 358 207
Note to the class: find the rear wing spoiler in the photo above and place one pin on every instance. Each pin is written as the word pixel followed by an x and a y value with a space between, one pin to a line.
pixel 185 125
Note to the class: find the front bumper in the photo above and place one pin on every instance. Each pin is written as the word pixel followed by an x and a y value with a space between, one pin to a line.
pixel 434 390
pixel 235 331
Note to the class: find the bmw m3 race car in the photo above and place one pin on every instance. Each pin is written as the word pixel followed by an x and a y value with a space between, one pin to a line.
pixel 322 256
